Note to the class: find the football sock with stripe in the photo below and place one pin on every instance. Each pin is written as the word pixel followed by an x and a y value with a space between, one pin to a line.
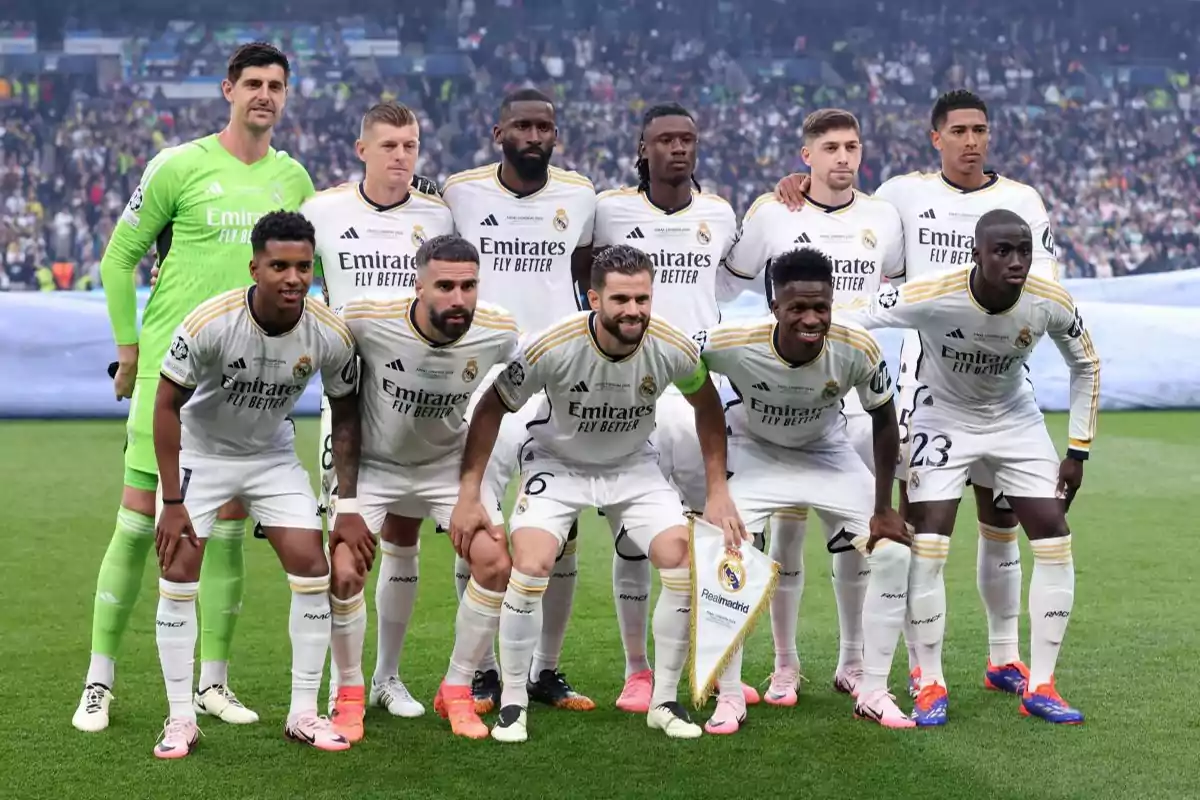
pixel 1051 598
pixel 556 611
pixel 175 634
pixel 520 624
pixel 927 603
pixel 395 596
pixel 631 593
pixel 222 586
pixel 851 573
pixel 309 626
pixel 475 629
pixel 347 634
pixel 998 576
pixel 883 612
pixel 117 586
pixel 787 548
pixel 462 575
pixel 672 621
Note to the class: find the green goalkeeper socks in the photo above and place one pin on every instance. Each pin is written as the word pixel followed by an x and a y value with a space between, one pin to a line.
pixel 119 580
pixel 222 583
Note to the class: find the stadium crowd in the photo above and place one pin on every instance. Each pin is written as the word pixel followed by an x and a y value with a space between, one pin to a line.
pixel 1116 164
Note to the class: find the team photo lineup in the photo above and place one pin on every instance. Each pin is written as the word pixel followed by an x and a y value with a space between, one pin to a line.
pixel 512 333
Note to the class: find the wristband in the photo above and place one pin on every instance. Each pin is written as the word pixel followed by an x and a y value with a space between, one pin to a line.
pixel 1077 455
pixel 346 505
pixel 178 502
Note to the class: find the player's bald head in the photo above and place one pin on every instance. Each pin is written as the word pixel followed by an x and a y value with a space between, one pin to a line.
pixel 1000 220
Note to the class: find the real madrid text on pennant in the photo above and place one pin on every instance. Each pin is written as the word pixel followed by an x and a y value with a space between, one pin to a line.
pixel 730 591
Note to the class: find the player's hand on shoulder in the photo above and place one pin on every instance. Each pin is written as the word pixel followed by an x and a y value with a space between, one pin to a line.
pixel 173 529
pixel 791 190
pixel 425 185
pixel 351 530
pixel 1070 478
pixel 125 373
pixel 888 524
pixel 719 510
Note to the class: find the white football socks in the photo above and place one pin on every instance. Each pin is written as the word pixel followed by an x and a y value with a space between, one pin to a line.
pixel 475 629
pixel 175 633
pixel 851 573
pixel 520 623
pixel 462 576
pixel 787 547
pixel 347 635
pixel 998 576
pixel 927 603
pixel 672 629
pixel 309 626
pixel 556 611
pixel 1051 598
pixel 883 612
pixel 631 593
pixel 395 596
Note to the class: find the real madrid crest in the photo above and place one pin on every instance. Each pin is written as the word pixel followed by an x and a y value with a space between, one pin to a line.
pixel 648 388
pixel 418 236
pixel 830 391
pixel 302 368
pixel 470 371
pixel 561 220
pixel 914 481
pixel 522 505
pixel 703 234
pixel 868 239
pixel 731 572
pixel 1024 338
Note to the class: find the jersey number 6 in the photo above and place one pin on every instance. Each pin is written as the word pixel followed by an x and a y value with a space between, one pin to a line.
pixel 537 483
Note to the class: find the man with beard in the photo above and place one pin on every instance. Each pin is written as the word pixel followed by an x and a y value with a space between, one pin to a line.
pixel 422 359
pixel 532 224
pixel 602 371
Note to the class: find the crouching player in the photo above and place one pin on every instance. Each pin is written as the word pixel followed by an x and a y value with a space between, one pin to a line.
pixel 233 374
pixel 590 449
pixel 422 359
pixel 788 447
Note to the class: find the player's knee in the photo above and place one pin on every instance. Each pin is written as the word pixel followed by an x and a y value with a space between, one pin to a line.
pixel 401 531
pixel 139 501
pixel 1054 527
pixel 183 569
pixel 534 563
pixel 490 565
pixel 669 550
pixel 232 510
pixel 309 562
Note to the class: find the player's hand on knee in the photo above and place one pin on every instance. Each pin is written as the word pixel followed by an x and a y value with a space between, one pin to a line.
pixel 720 511
pixel 791 190
pixel 350 529
pixel 125 376
pixel 888 524
pixel 174 528
pixel 1070 478
pixel 467 520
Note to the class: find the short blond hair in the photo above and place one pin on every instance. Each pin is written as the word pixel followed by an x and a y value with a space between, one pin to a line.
pixel 388 112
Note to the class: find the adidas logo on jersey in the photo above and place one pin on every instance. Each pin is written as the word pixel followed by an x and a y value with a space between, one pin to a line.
pixel 349 234
pixel 579 387
pixel 636 233
pixel 802 239
pixel 489 221
pixel 929 215
pixel 215 188
pixel 396 365
pixel 955 334
pixel 761 386
pixel 239 364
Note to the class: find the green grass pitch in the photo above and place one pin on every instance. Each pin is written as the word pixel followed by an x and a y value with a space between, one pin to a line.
pixel 1132 638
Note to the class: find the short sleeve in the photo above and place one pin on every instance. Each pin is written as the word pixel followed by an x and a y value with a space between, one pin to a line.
pixel 524 377
pixel 586 235
pixel 339 370
pixel 750 252
pixel 183 359
pixel 875 383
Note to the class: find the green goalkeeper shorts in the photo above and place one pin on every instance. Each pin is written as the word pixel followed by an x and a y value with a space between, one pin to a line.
pixel 141 467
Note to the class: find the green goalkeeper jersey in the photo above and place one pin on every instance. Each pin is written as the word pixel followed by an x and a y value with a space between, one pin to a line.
pixel 197 203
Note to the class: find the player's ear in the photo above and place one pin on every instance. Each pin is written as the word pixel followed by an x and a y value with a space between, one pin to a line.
pixel 227 89
pixel 936 139
pixel 496 134
pixel 593 299
pixel 806 156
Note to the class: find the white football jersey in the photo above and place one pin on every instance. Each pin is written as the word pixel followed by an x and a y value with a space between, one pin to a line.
pixel 863 238
pixel 939 220
pixel 413 393
pixel 596 410
pixel 974 360
pixel 367 250
pixel 525 243
pixel 247 381
pixel 794 405
pixel 687 248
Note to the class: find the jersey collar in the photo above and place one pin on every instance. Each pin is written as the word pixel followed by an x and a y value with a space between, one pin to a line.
pixel 362 195
pixel 832 209
pixel 596 342
pixel 691 201
pixel 416 329
pixel 979 305
pixel 520 196
pixel 792 364
pixel 258 322
pixel 992 178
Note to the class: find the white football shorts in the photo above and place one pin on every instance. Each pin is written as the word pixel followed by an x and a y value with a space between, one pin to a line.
pixel 633 495
pixel 275 489
pixel 424 492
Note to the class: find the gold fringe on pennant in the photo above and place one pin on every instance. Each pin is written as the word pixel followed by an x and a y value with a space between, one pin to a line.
pixel 701 693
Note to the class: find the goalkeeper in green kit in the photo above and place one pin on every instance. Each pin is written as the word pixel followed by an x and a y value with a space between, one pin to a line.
pixel 197 203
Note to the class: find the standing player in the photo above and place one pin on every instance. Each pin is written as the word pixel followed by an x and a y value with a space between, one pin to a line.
pixel 686 233
pixel 422 359
pixel 863 239
pixel 236 368
pixel 197 203
pixel 532 224
pixel 978 326
pixel 789 447
pixel 368 235
pixel 939 213
pixel 591 450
